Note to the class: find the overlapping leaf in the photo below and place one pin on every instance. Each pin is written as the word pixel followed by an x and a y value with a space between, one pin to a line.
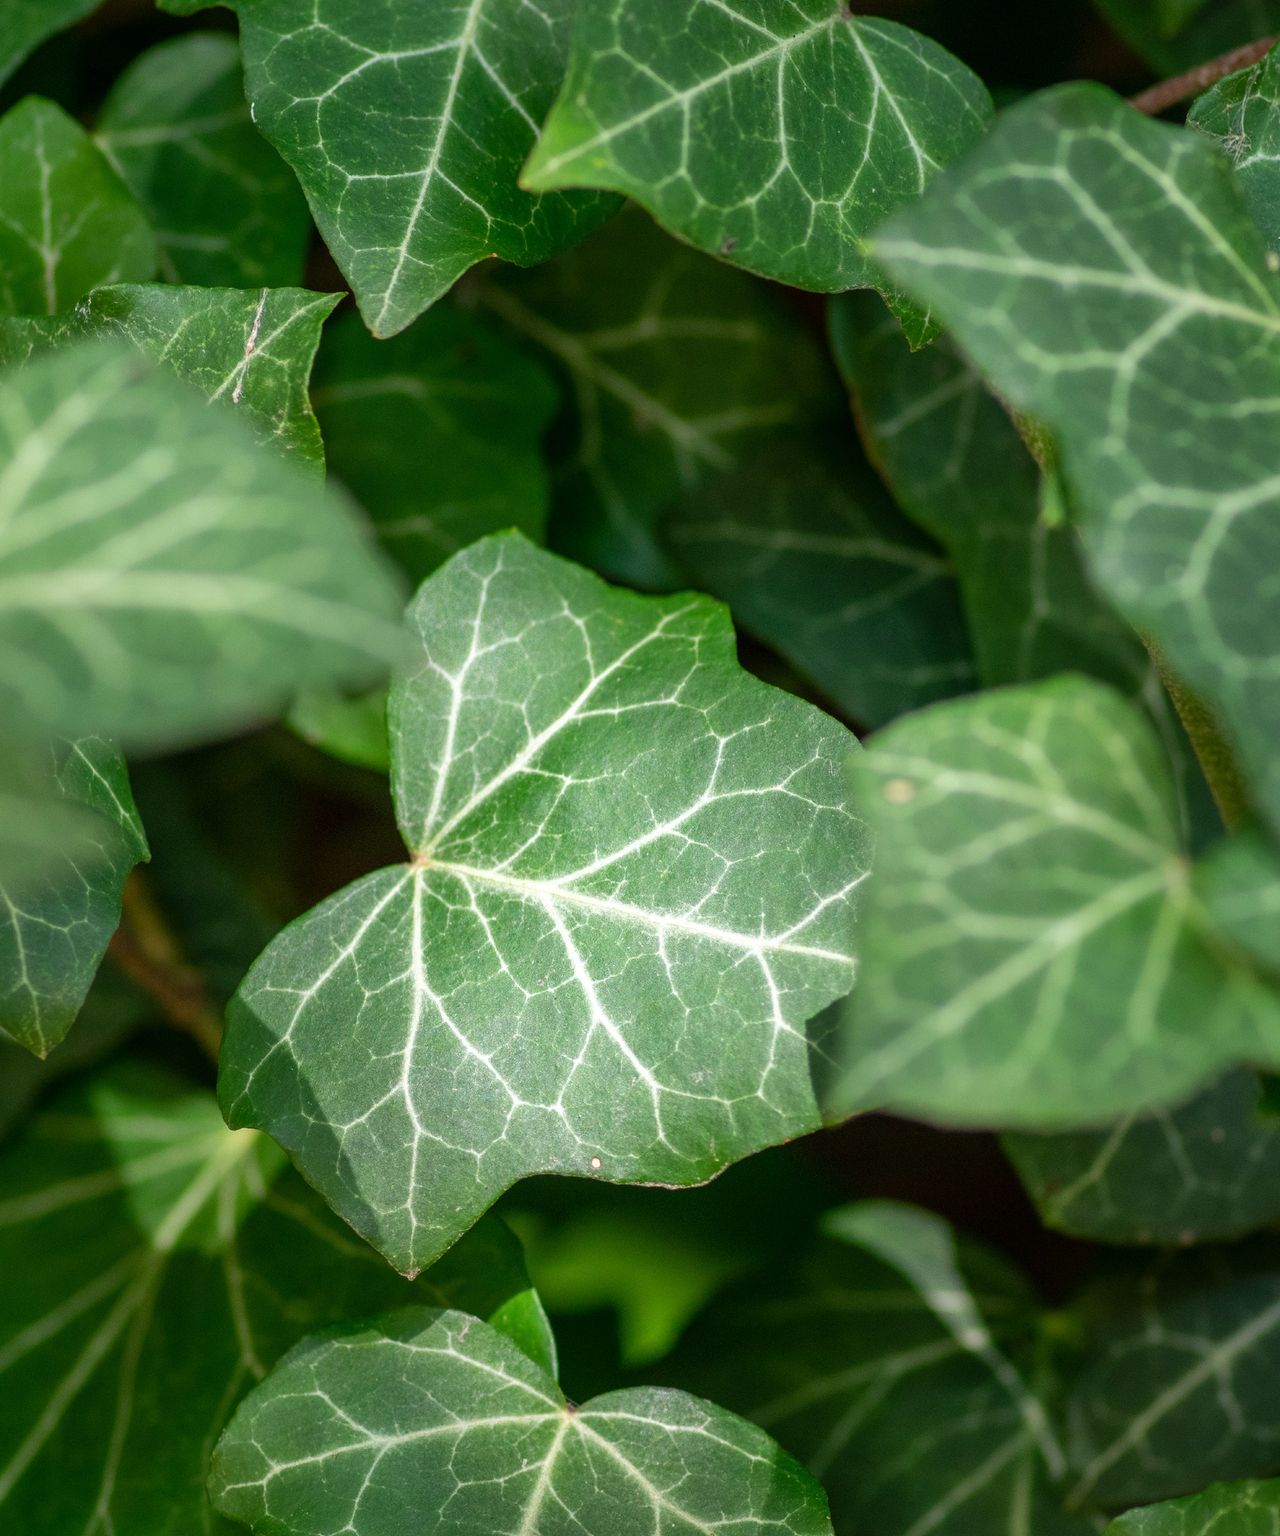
pixel 1103 272
pixel 1204 1170
pixel 677 369
pixel 892 1361
pixel 1239 886
pixel 1174 1388
pixel 431 1422
pixel 438 433
pixel 1232 1509
pixel 227 211
pixel 407 130
pixel 161 576
pixel 1240 114
pixel 251 351
pixel 957 465
pixel 816 560
pixel 1176 35
pixel 835 120
pixel 55 922
pixel 630 889
pixel 177 1262
pixel 1032 953
pixel 27 23
pixel 69 223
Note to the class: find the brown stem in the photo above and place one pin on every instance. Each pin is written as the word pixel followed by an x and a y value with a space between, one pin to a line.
pixel 1159 98
pixel 148 954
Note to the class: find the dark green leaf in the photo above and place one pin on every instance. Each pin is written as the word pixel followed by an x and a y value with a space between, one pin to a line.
pixel 816 560
pixel 1207 1169
pixel 630 889
pixel 1240 113
pixel 407 130
pixel 1176 35
pixel 172 578
pixel 156 1266
pixel 834 121
pixel 1143 331
pixel 1031 950
pixel 227 210
pixel 55 923
pixel 70 224
pixel 1232 1509
pixel 24 24
pixel 429 1422
pixel 677 368
pixel 252 351
pixel 438 432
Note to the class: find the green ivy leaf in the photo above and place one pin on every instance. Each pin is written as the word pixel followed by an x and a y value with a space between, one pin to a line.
pixel 1240 114
pixel 1139 340
pixel 55 923
pixel 407 132
pixel 630 889
pixel 817 561
pixel 1239 884
pixel 1174 1387
pixel 676 366
pixel 352 729
pixel 429 1421
pixel 252 351
pixel 957 465
pixel 438 432
pixel 835 121
pixel 227 210
pixel 1032 953
pixel 25 24
pixel 70 223
pixel 1208 1169
pixel 892 1359
pixel 1232 1509
pixel 211 580
pixel 178 1261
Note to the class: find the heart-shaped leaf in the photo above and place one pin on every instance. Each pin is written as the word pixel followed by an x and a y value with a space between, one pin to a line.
pixel 835 119
pixel 1032 953
pixel 630 889
pixel 429 1422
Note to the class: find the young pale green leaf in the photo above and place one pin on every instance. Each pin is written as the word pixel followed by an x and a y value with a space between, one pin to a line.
pixel 55 922
pixel 1206 1170
pixel 1175 35
pixel 631 886
pixel 835 120
pixel 957 465
pixel 1239 885
pixel 227 211
pixel 70 224
pixel 1175 1386
pixel 890 1359
pixel 252 351
pixel 428 1423
pixel 677 368
pixel 162 577
pixel 1149 343
pixel 25 24
pixel 1240 113
pixel 1231 1509
pixel 1031 951
pixel 177 1262
pixel 438 432
pixel 407 130
pixel 816 560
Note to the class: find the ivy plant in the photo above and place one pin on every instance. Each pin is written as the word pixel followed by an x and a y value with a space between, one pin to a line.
pixel 640 810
